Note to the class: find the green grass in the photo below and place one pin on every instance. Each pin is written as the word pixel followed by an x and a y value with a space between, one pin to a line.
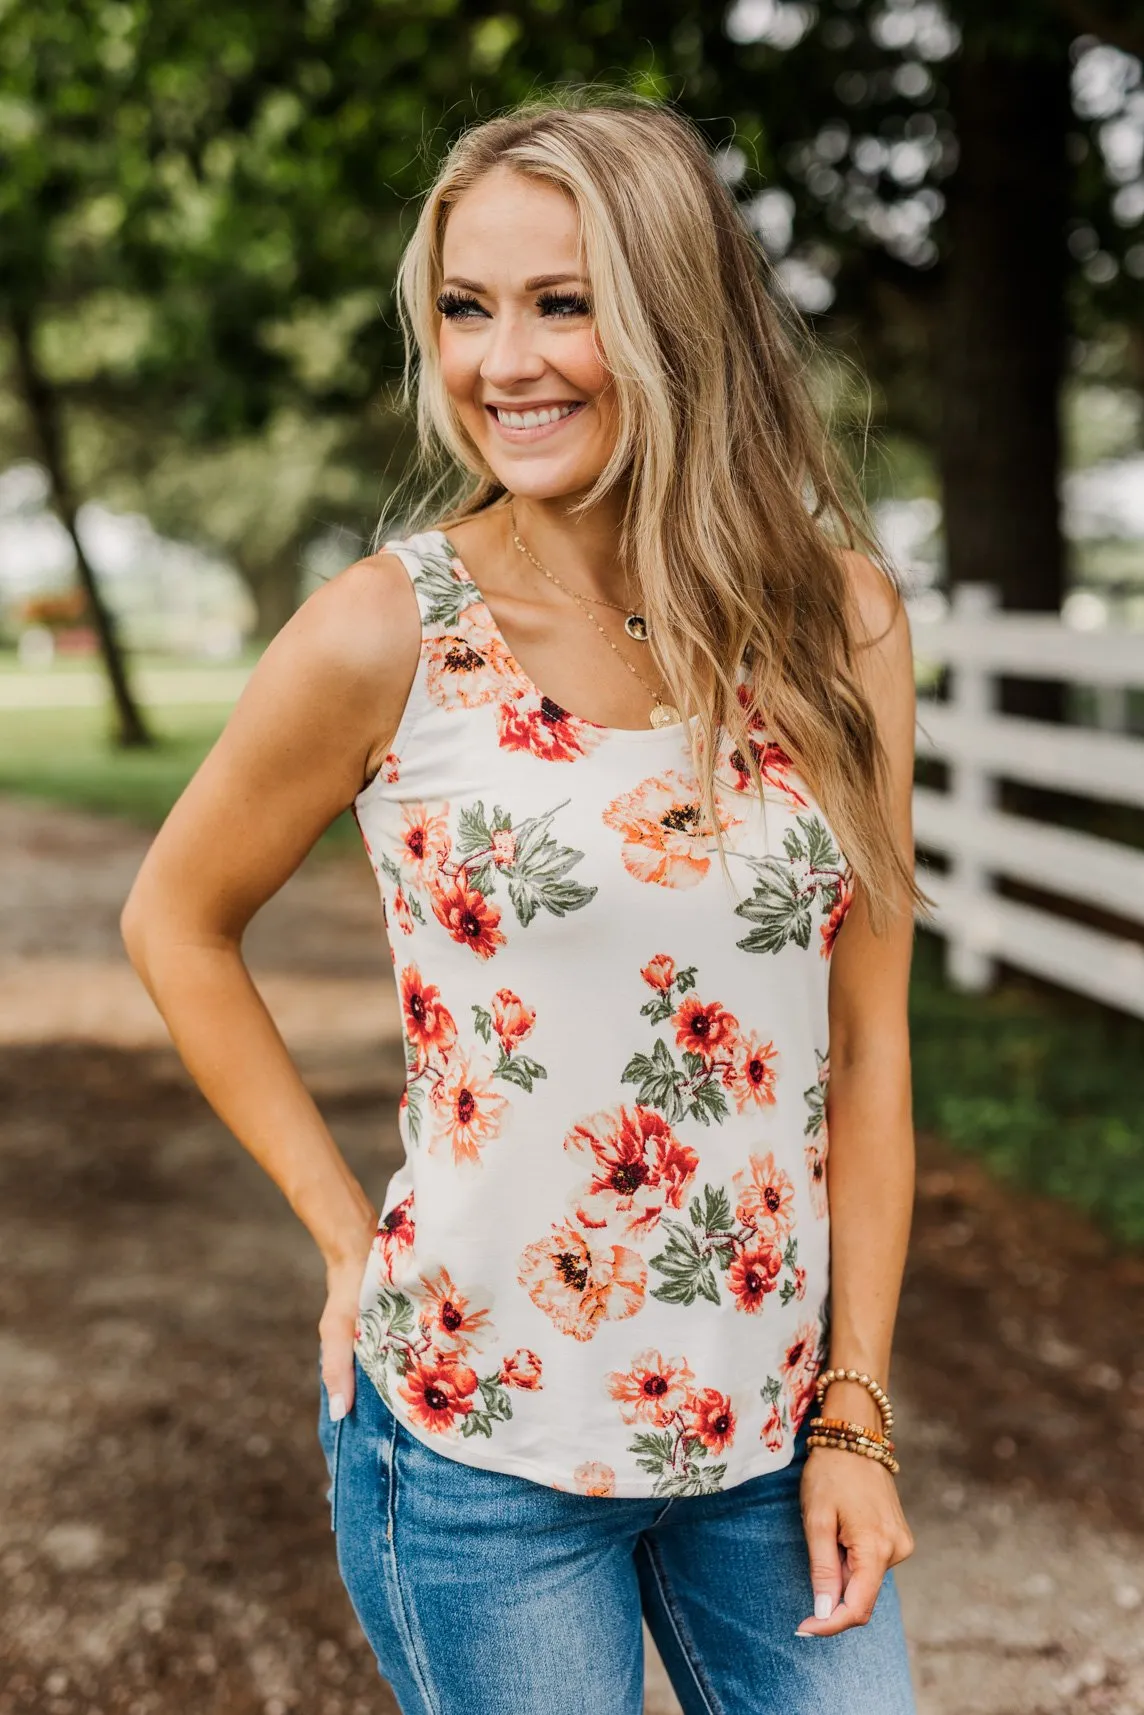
pixel 64 756
pixel 1043 1086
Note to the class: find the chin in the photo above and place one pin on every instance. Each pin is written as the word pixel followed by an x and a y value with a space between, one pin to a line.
pixel 539 484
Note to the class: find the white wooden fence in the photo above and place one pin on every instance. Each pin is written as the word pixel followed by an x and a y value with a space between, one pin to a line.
pixel 981 746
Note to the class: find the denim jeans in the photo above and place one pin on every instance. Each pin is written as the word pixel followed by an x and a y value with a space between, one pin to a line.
pixel 487 1594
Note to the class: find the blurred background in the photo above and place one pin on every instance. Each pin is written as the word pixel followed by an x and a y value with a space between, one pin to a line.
pixel 201 212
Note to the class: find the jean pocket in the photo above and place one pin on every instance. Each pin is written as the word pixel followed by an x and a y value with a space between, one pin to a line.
pixel 330 1436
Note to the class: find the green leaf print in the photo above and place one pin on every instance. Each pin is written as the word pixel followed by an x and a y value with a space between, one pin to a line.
pixel 483 1022
pixel 519 1069
pixel 657 1008
pixel 713 1215
pixel 536 872
pixel 445 595
pixel 696 1480
pixel 786 895
pixel 685 979
pixel 414 1112
pixel 652 1451
pixel 780 911
pixel 659 1081
pixel 685 1263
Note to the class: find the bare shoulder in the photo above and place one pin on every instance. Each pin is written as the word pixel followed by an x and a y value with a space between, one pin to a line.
pixel 363 623
pixel 883 655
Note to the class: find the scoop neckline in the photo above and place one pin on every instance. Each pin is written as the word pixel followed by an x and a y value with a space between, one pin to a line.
pixel 639 734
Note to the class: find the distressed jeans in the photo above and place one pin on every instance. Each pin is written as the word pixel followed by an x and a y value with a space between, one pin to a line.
pixel 487 1594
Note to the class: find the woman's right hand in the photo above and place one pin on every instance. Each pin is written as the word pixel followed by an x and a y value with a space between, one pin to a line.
pixel 336 1332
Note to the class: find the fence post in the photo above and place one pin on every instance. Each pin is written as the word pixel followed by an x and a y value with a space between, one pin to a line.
pixel 972 787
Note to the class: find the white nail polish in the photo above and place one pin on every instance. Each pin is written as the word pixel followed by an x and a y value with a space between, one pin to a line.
pixel 338 1407
pixel 823 1605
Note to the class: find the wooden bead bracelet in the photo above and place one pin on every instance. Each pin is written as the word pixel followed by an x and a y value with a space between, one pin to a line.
pixel 868 1450
pixel 852 1431
pixel 874 1389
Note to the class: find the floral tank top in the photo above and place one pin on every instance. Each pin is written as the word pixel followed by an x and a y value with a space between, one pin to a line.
pixel 603 1264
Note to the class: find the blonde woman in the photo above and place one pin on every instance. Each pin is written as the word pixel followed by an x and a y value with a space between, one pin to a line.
pixel 627 729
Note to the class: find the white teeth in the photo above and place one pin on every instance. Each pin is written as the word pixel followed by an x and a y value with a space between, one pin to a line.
pixel 533 419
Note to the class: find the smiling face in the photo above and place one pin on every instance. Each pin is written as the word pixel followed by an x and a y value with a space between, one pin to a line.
pixel 519 356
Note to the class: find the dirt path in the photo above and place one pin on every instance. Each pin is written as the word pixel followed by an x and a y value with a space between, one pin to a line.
pixel 164 1542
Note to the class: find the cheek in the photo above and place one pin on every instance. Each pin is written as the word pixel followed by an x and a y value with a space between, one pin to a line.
pixel 460 363
pixel 582 363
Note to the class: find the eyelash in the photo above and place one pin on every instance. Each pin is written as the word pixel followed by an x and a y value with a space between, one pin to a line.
pixel 452 304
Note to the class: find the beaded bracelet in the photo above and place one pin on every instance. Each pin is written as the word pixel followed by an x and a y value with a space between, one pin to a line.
pixel 876 1392
pixel 852 1431
pixel 867 1450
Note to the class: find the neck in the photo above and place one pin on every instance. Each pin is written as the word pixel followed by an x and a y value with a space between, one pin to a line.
pixel 583 548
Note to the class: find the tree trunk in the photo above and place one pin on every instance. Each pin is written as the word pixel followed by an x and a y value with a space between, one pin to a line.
pixel 41 405
pixel 1002 333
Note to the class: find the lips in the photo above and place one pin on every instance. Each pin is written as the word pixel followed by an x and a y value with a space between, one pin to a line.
pixel 535 422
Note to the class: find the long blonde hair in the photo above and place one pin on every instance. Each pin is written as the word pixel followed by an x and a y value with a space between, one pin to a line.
pixel 736 504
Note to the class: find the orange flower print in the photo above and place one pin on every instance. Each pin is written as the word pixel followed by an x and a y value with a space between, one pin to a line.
pixel 800 1284
pixel 429 1025
pixel 665 831
pixel 800 1367
pixel 390 769
pixel 766 1198
pixel 470 918
pixel 641 1168
pixel 659 973
pixel 754 1272
pixel 446 1317
pixel 772 1430
pixel 522 1369
pixel 439 1390
pixel 469 665
pixel 816 1172
pixel 424 842
pixel 395 1234
pixel 710 1419
pixel 653 1389
pixel 402 915
pixel 773 762
pixel 467 1110
pixel 512 1020
pixel 704 1030
pixel 593 1478
pixel 535 723
pixel 830 929
pixel 751 1075
pixel 578 1287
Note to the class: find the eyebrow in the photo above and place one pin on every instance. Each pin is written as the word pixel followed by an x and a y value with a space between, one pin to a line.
pixel 536 284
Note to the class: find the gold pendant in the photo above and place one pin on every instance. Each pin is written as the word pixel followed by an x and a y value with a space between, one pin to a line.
pixel 664 715
pixel 636 627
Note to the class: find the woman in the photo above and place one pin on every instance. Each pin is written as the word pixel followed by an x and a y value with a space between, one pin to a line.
pixel 569 1376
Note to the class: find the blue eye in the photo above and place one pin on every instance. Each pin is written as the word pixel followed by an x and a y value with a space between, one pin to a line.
pixel 455 306
pixel 563 304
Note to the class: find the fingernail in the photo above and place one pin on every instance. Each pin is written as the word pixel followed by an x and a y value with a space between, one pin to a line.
pixel 803 1634
pixel 823 1605
pixel 338 1407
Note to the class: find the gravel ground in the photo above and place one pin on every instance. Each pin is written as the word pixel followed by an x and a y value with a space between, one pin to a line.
pixel 164 1541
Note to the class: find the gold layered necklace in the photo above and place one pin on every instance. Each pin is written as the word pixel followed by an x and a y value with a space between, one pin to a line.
pixel 635 625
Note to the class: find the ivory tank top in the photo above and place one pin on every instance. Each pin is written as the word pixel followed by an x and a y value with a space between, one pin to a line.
pixel 603 1264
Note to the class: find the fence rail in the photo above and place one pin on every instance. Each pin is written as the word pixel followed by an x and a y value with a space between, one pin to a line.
pixel 983 842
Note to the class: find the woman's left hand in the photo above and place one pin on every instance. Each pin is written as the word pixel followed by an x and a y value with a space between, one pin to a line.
pixel 855 1530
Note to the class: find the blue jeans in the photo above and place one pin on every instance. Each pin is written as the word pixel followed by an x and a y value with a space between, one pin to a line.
pixel 487 1594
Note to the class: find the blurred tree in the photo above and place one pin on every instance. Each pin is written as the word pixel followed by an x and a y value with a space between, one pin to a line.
pixel 59 137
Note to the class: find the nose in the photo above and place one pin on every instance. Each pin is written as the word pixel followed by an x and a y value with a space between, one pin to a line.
pixel 510 353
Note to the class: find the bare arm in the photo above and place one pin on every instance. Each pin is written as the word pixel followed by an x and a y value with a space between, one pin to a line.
pixel 312 725
pixel 870 1163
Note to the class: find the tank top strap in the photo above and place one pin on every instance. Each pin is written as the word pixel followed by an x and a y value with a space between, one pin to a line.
pixel 439 581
